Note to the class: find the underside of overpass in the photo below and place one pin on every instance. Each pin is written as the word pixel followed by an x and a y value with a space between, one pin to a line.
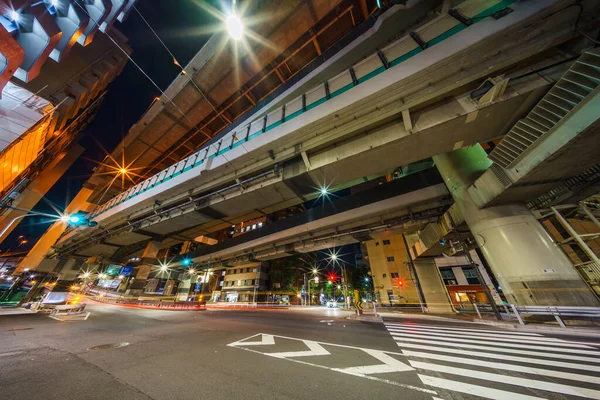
pixel 430 84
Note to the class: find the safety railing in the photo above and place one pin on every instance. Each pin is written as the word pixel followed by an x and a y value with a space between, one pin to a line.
pixel 175 305
pixel 426 36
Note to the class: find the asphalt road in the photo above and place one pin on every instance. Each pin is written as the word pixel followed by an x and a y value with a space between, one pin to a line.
pixel 284 354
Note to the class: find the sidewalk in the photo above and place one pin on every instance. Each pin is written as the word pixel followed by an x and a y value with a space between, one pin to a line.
pixel 14 311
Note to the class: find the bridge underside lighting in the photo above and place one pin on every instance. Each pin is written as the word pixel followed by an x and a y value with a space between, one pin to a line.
pixel 235 28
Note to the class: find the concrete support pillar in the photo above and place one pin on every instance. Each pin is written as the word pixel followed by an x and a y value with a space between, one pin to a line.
pixel 529 266
pixel 434 291
pixel 141 273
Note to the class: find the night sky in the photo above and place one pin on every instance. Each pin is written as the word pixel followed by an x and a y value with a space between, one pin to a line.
pixel 184 27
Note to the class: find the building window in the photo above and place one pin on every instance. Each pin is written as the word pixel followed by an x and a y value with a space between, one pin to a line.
pixel 376 243
pixel 394 275
pixel 448 276
pixel 253 282
pixel 390 296
pixel 254 269
pixel 220 283
pixel 385 275
pixel 247 269
pixel 391 259
pixel 471 275
pixel 386 242
pixel 260 224
pixel 253 226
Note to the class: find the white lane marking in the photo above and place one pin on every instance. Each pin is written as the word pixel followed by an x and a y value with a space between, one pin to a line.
pixel 500 345
pixel 502 338
pixel 390 364
pixel 505 350
pixel 265 340
pixel 14 353
pixel 315 350
pixel 510 380
pixel 481 391
pixel 372 378
pixel 443 328
pixel 509 367
pixel 505 357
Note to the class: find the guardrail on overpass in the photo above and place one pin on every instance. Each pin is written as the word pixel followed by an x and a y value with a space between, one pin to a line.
pixel 447 25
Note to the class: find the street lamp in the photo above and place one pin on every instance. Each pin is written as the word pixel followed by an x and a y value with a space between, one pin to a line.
pixel 163 268
pixel 235 27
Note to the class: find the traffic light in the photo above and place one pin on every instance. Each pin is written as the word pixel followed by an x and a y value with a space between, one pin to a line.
pixel 78 219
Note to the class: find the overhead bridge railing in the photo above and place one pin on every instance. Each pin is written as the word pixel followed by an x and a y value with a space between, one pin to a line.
pixel 436 31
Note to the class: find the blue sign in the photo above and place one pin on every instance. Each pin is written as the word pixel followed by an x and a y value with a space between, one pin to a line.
pixel 126 271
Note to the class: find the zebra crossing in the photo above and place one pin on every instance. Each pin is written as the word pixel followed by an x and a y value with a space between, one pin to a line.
pixel 498 365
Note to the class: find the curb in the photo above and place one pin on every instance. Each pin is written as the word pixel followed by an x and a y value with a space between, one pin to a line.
pixel 365 318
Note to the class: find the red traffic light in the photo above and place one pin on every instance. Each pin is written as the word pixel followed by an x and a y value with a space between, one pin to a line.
pixel 332 277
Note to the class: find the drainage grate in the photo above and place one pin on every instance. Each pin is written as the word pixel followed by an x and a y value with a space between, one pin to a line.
pixel 109 346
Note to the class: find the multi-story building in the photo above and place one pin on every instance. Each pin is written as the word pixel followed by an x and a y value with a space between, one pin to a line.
pixel 396 283
pixel 54 70
pixel 241 283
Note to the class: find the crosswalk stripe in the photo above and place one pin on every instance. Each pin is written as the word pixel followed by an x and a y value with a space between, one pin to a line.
pixel 504 357
pixel 504 366
pixel 489 342
pixel 553 341
pixel 481 391
pixel 506 350
pixel 438 328
pixel 512 380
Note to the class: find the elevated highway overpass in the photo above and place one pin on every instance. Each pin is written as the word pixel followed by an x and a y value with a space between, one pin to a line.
pixel 402 104
pixel 443 86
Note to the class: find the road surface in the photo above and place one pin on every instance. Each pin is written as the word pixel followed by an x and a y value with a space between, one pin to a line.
pixel 126 353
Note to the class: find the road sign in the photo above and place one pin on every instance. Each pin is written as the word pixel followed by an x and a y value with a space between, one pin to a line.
pixel 358 305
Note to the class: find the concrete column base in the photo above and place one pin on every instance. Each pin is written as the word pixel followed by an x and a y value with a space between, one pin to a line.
pixel 433 287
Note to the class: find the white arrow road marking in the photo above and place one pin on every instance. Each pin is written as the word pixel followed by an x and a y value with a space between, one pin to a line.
pixel 265 341
pixel 315 350
pixel 390 364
